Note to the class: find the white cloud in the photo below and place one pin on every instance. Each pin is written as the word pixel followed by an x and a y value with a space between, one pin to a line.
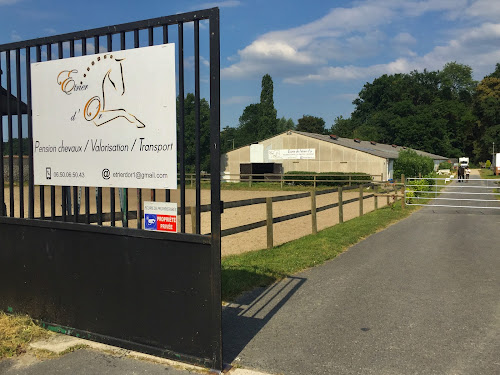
pixel 404 38
pixel 311 44
pixel 237 100
pixel 189 62
pixel 484 9
pixel 476 47
pixel 336 46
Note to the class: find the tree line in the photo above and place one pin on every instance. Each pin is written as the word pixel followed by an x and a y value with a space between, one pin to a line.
pixel 444 112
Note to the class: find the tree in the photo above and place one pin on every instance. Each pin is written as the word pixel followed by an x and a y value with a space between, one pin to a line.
pixel 427 110
pixel 268 120
pixel 284 125
pixel 248 128
pixel 189 132
pixel 412 164
pixel 228 139
pixel 456 80
pixel 487 109
pixel 343 127
pixel 311 124
pixel 258 121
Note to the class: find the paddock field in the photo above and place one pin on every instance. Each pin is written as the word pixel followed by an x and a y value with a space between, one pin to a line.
pixel 247 241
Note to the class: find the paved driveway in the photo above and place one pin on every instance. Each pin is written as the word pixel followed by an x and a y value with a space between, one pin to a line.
pixel 422 297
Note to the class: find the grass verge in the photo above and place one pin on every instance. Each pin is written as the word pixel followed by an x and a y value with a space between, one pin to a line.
pixel 16 332
pixel 260 268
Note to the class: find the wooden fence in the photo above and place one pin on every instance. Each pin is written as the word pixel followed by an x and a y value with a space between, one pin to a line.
pixel 387 190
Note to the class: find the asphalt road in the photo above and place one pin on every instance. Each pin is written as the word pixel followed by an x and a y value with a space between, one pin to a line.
pixel 88 362
pixel 422 297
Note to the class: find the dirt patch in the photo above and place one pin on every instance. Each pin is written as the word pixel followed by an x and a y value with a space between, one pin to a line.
pixel 233 217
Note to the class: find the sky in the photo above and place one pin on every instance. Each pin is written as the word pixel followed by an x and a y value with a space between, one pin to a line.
pixel 319 53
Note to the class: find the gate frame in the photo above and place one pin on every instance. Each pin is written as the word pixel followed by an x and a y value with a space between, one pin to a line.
pixel 436 192
pixel 214 239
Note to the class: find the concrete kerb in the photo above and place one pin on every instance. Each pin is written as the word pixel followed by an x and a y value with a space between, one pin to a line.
pixel 59 344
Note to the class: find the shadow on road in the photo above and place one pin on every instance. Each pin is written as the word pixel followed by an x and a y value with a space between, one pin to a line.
pixel 243 319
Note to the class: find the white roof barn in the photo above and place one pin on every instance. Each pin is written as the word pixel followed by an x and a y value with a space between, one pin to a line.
pixel 308 152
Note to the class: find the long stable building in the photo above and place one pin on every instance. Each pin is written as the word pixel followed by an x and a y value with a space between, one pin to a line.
pixel 308 152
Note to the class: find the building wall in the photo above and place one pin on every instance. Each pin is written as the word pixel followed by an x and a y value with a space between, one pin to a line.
pixel 329 157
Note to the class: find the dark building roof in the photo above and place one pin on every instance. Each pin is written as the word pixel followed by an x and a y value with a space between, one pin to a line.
pixel 373 148
pixel 13 104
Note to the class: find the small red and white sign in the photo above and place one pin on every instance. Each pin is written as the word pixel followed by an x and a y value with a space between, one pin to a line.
pixel 160 216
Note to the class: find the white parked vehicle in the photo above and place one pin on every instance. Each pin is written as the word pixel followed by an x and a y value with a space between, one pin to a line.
pixel 463 162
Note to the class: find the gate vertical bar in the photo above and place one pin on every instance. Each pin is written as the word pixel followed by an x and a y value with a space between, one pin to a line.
pixel 31 184
pixel 52 188
pixel 64 189
pixel 2 183
pixel 19 133
pixel 150 43
pixel 42 188
pixel 76 203
pixel 165 41
pixel 112 194
pixel 181 128
pixel 87 190
pixel 9 130
pixel 139 190
pixel 99 189
pixel 124 196
pixel 215 185
pixel 197 121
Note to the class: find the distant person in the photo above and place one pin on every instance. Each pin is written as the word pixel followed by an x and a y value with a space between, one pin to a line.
pixel 460 173
pixel 467 173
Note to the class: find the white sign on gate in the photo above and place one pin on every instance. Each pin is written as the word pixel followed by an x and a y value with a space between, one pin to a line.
pixel 106 120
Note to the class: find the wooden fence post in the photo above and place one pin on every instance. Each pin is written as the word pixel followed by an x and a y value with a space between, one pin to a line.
pixel 341 206
pixel 361 200
pixel 350 180
pixel 269 221
pixel 250 181
pixel 315 181
pixel 403 180
pixel 313 212
pixel 282 181
pixel 375 192
pixel 193 219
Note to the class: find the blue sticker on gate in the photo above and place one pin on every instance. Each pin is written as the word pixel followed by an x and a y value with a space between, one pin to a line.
pixel 150 222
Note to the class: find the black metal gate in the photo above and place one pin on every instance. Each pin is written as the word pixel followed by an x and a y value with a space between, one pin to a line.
pixel 88 273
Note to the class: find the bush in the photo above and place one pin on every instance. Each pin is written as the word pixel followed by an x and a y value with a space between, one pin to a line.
pixel 415 189
pixel 342 179
pixel 412 164
pixel 445 165
pixel 488 164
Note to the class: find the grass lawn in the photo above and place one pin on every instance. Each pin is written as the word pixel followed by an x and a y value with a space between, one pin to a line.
pixel 487 173
pixel 16 332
